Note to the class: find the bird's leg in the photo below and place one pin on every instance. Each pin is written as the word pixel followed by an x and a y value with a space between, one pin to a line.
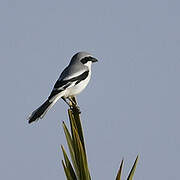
pixel 74 99
pixel 74 102
pixel 70 105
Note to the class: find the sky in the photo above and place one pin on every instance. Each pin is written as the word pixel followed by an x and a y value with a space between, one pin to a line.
pixel 131 105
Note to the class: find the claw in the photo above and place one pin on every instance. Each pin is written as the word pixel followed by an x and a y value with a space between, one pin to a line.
pixel 76 109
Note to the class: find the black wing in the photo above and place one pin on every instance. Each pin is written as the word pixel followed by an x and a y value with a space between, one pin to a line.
pixel 61 85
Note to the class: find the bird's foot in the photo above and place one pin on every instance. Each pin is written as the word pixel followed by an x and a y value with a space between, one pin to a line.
pixel 75 108
pixel 78 109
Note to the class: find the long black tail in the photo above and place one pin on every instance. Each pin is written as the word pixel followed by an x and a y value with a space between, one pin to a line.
pixel 40 112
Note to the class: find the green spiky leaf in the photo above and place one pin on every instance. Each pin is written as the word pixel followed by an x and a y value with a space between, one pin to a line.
pixel 131 174
pixel 118 177
pixel 68 164
pixel 71 148
pixel 68 175
pixel 81 157
pixel 75 120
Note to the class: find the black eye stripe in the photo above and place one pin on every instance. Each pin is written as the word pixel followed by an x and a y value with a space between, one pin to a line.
pixel 86 59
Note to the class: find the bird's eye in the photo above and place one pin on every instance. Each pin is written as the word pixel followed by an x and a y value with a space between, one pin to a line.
pixel 85 60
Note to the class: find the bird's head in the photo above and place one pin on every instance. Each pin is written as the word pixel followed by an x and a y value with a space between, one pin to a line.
pixel 84 58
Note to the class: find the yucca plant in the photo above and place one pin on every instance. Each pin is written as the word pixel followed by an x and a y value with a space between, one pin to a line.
pixel 77 168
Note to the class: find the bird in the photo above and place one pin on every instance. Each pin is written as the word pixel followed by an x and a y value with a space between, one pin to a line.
pixel 72 81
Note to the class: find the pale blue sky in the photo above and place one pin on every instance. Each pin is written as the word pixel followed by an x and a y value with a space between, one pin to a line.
pixel 131 105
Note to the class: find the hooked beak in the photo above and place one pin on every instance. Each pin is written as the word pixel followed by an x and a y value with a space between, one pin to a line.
pixel 94 60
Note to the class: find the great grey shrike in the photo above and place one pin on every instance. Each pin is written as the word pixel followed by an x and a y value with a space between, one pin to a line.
pixel 71 82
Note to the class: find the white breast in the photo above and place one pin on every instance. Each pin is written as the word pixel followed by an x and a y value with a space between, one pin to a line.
pixel 76 89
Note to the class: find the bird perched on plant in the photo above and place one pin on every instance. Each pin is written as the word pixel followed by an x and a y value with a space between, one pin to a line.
pixel 71 82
